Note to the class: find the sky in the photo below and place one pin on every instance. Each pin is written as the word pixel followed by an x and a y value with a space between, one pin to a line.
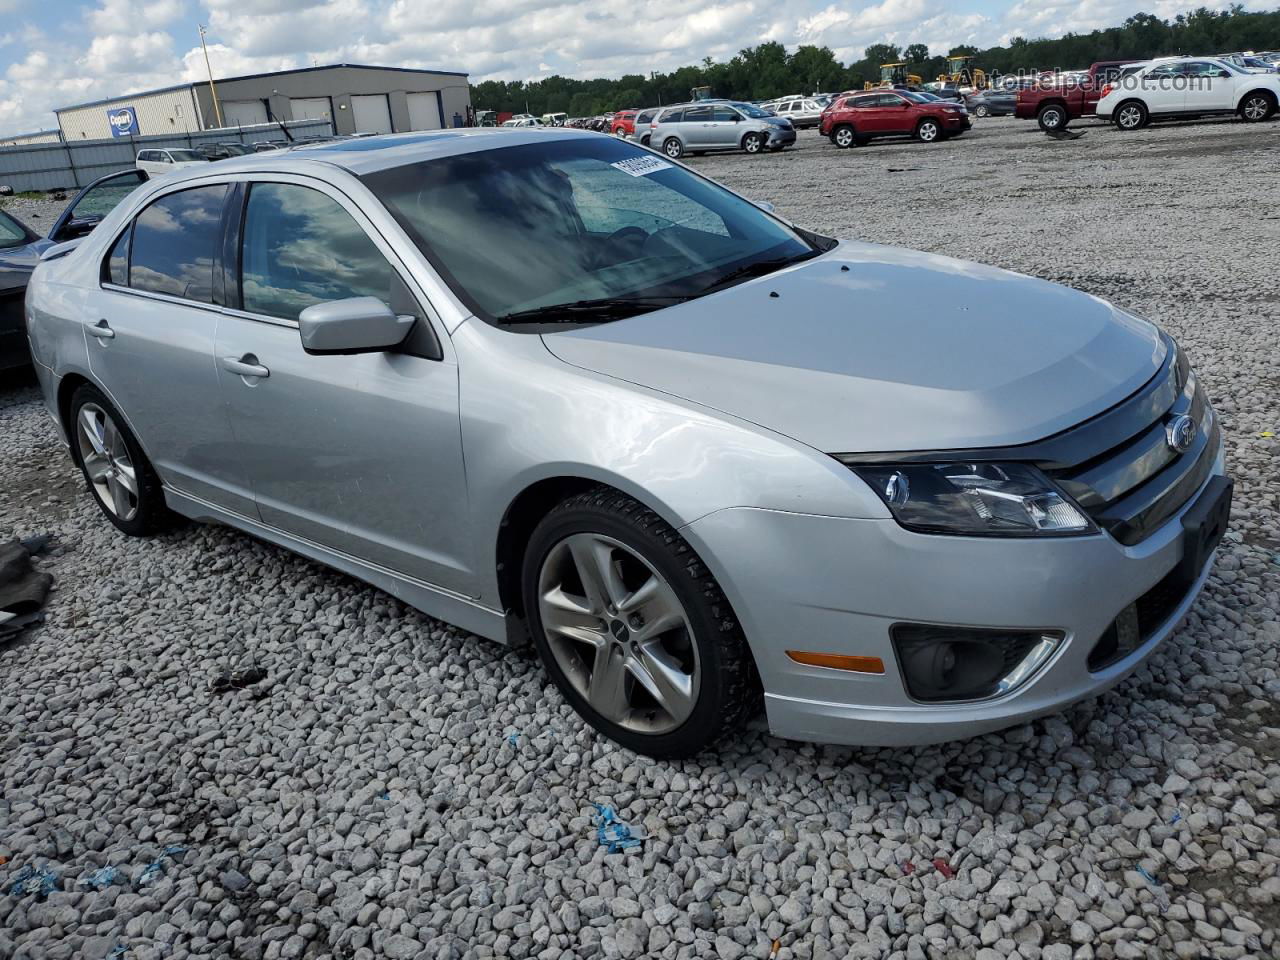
pixel 58 52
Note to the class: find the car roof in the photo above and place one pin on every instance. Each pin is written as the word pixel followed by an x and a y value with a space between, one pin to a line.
pixel 369 154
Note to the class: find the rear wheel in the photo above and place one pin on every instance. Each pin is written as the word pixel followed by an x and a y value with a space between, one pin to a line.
pixel 753 143
pixel 1132 115
pixel 121 479
pixel 982 110
pixel 928 131
pixel 633 629
pixel 1256 107
pixel 673 148
pixel 843 137
pixel 1052 116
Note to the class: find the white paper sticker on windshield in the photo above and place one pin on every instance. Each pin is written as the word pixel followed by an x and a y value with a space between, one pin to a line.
pixel 642 166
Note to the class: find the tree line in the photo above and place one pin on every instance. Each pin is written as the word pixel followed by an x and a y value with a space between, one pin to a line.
pixel 769 70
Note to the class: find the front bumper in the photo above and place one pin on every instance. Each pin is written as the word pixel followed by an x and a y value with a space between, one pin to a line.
pixel 780 137
pixel 800 582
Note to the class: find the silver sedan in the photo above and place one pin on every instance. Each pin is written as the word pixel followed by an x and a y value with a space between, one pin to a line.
pixel 546 384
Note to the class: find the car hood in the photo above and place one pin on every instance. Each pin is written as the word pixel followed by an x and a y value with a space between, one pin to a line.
pixel 879 349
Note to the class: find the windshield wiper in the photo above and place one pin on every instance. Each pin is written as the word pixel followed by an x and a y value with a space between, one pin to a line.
pixel 757 268
pixel 604 308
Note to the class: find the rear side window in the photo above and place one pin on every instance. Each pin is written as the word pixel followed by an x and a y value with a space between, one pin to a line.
pixel 697 114
pixel 672 116
pixel 174 242
pixel 301 247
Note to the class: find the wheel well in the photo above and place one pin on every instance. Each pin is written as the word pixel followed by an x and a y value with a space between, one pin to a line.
pixel 1051 103
pixel 524 513
pixel 70 383
pixel 1269 94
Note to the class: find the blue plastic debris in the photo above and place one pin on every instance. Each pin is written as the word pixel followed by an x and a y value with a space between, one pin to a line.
pixel 1177 816
pixel 612 832
pixel 38 880
pixel 1147 876
pixel 101 879
pixel 156 867
pixel 117 952
pixel 514 740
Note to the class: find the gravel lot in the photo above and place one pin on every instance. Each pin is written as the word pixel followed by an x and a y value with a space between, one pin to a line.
pixel 395 788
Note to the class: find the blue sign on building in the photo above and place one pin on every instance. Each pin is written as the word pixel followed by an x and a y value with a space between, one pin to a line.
pixel 123 121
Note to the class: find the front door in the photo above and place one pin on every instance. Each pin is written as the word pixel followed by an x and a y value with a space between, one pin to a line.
pixel 1210 87
pixel 361 454
pixel 725 123
pixel 151 344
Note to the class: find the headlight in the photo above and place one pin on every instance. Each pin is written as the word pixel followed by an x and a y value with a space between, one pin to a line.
pixel 975 499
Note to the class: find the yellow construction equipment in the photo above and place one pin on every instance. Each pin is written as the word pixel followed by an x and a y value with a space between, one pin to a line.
pixel 962 72
pixel 892 75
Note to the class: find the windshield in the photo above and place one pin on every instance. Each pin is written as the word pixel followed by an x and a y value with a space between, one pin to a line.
pixel 918 97
pixel 751 110
pixel 570 221
pixel 185 156
pixel 12 233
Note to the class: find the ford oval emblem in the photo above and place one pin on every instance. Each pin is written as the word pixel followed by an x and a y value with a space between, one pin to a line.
pixel 1181 433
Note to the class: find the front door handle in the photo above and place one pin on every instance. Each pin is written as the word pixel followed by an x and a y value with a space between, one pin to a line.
pixel 102 330
pixel 246 366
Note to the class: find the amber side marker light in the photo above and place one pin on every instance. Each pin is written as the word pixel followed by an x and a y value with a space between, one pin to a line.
pixel 838 661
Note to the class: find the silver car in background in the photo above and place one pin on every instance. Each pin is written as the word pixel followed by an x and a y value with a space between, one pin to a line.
pixel 708 125
pixel 545 384
pixel 803 112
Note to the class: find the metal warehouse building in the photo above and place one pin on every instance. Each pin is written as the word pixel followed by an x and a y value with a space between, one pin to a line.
pixel 354 97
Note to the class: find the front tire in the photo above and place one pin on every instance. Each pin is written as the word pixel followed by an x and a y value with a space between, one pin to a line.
pixel 633 629
pixel 1132 115
pixel 752 143
pixel 982 110
pixel 1256 107
pixel 117 472
pixel 673 148
pixel 844 137
pixel 928 131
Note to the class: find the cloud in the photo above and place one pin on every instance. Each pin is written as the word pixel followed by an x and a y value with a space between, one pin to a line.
pixel 125 46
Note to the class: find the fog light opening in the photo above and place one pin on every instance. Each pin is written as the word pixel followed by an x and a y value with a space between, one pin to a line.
pixel 941 664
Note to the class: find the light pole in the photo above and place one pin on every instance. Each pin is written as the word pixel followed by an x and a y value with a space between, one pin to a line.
pixel 217 107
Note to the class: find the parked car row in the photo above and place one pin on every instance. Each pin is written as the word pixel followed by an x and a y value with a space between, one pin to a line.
pixel 1132 93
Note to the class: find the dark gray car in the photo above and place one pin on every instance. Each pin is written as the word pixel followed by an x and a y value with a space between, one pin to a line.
pixel 20 250
pixel 992 103
pixel 719 125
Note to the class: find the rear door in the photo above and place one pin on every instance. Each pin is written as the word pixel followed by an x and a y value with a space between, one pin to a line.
pixel 361 454
pixel 151 343
pixel 1164 88
pixel 697 128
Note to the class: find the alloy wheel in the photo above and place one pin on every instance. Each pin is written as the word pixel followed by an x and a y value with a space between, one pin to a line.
pixel 928 131
pixel 619 633
pixel 1130 117
pixel 982 110
pixel 673 149
pixel 106 461
pixel 751 143
pixel 844 137
pixel 1256 108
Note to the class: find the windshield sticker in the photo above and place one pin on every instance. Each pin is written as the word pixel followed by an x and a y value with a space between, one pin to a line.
pixel 642 166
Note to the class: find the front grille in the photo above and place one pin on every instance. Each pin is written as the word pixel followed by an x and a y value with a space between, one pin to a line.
pixel 1134 483
pixel 1139 621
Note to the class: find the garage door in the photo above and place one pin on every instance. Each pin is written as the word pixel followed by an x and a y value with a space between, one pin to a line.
pixel 311 108
pixel 424 111
pixel 371 113
pixel 243 113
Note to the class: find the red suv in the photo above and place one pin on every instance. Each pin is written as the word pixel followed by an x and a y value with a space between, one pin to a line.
pixel 624 123
pixel 856 118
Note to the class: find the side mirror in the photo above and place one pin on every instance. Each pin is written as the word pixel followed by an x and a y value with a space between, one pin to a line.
pixel 354 325
pixel 1225 74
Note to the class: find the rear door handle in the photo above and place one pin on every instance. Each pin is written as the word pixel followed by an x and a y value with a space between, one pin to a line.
pixel 101 330
pixel 246 366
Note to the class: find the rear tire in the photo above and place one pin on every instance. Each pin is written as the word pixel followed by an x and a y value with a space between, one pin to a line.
pixel 119 476
pixel 604 665
pixel 844 137
pixel 752 143
pixel 982 110
pixel 1052 116
pixel 1132 115
pixel 1256 107
pixel 673 148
